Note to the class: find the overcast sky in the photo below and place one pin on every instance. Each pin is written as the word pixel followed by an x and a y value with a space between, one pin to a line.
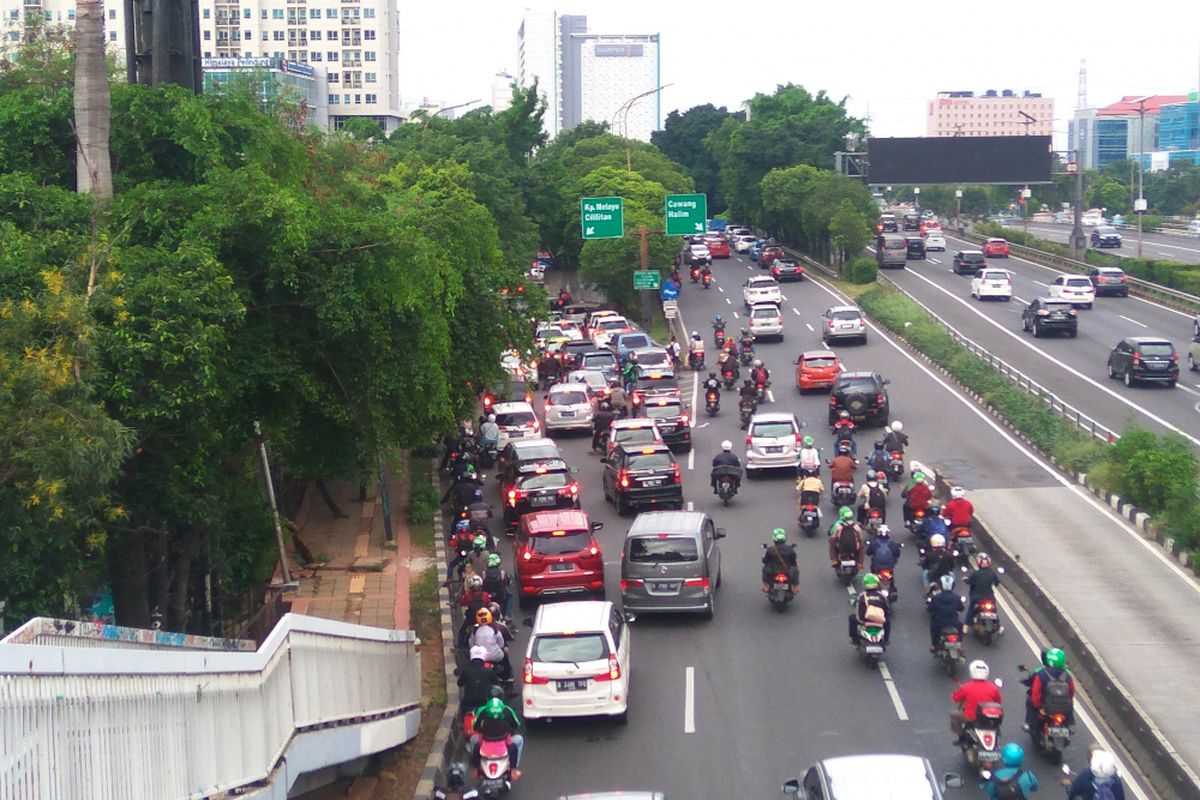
pixel 887 63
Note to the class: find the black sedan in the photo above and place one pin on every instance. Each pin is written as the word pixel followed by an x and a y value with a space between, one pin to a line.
pixel 1105 236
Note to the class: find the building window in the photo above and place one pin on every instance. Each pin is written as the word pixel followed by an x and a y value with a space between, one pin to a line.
pixel 278 54
pixel 14 14
pixel 70 13
pixel 334 99
pixel 346 99
pixel 358 99
pixel 205 13
pixel 246 15
pixel 369 35
pixel 112 13
pixel 371 98
pixel 368 55
pixel 276 13
pixel 315 35
pixel 277 36
pixel 369 13
pixel 291 55
pixel 314 13
pixel 316 55
pixel 331 13
pixel 246 36
pixel 208 36
pixel 266 36
pixel 49 17
pixel 332 55
pixel 370 77
pixel 112 36
pixel 332 78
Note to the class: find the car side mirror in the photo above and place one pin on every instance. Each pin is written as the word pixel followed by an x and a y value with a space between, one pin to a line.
pixel 887 381
pixel 952 780
pixel 719 533
pixel 597 526
pixel 574 470
pixel 792 787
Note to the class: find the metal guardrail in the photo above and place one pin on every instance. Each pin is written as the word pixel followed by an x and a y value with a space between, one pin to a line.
pixel 1156 291
pixel 1026 384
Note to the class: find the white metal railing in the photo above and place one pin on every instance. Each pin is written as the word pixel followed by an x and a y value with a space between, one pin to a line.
pixel 161 724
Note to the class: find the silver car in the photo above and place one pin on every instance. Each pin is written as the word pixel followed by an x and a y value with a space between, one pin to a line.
pixel 569 406
pixel 843 322
pixel 773 441
pixel 766 321
pixel 671 563
pixel 870 777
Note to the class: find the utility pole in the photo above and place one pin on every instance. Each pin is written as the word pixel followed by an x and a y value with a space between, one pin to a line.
pixel 266 468
pixel 647 294
pixel 1078 242
pixel 1139 207
pixel 958 211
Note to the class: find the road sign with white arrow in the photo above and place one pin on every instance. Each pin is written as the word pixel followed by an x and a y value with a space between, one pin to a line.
pixel 686 214
pixel 602 217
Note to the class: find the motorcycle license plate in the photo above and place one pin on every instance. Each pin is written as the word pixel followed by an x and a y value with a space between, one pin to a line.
pixel 561 567
pixel 1058 732
pixel 873 649
pixel 849 564
pixel 577 685
pixel 986 615
pixel 541 500
pixel 988 755
pixel 664 586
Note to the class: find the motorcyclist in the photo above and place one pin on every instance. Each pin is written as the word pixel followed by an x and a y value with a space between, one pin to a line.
pixel 936 561
pixel 548 370
pixel 1013 756
pixel 1100 775
pixel 747 340
pixel 477 558
pixel 935 523
pixel 871 598
pixel 461 537
pixel 564 298
pixel 478 511
pixel 1054 701
pixel 496 583
pixel 725 458
pixel 780 556
pixel 731 347
pixel 895 438
pixel 970 694
pixel 629 373
pixel 845 540
pixel 696 345
pixel 760 374
pixel 982 582
pixel 883 551
pixel 462 492
pixel 959 511
pixel 916 495
pixel 456 785
pixel 843 428
pixel 712 383
pixel 943 606
pixel 476 679
pixel 841 468
pixel 493 641
pixel 872 495
pixel 601 421
pixel 718 324
pixel 619 401
pixel 810 488
pixel 727 365
pixel 748 392
pixel 706 272
pixel 489 432
pixel 810 457
pixel 878 459
pixel 496 722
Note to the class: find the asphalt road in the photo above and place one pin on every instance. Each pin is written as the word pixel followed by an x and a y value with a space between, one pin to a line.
pixel 1165 246
pixel 773 692
pixel 1074 369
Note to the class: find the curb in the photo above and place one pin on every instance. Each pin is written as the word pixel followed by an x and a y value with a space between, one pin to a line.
pixel 448 737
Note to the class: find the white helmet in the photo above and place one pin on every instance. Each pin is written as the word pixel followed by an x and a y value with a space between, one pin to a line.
pixel 695 335
pixel 948 583
pixel 937 540
pixel 479 652
pixel 1103 764
pixel 978 671
pixel 883 531
pixel 491 418
pixel 914 466
pixel 897 426
pixel 726 445
pixel 957 492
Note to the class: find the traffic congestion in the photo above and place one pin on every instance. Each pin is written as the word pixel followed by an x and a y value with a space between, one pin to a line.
pixel 747 510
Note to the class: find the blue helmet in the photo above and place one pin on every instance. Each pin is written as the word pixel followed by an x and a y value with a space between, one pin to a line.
pixel 717 318
pixel 1013 755
pixel 461 525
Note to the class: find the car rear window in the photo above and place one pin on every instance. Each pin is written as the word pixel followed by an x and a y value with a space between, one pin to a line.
pixel 513 418
pixel 547 333
pixel 994 276
pixel 550 544
pixel 1112 273
pixel 547 480
pixel 569 648
pixel 662 412
pixel 1156 349
pixel 1078 282
pixel 856 385
pixel 599 359
pixel 537 452
pixel 635 436
pixel 769 311
pixel 772 430
pixel 654 358
pixel 1056 306
pixel 635 341
pixel 568 398
pixel 663 549
pixel 820 362
pixel 655 460
pixel 845 316
pixel 973 257
pixel 612 324
pixel 766 283
pixel 657 383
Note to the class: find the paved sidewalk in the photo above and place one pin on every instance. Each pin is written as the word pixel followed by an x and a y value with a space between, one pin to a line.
pixel 358 577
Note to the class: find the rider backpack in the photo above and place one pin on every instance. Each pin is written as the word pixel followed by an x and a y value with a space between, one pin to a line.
pixel 1009 788
pixel 1056 693
pixel 1102 788
pixel 884 557
pixel 847 541
pixel 494 581
pixel 876 498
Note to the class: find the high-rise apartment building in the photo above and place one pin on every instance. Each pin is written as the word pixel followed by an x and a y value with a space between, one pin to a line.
pixel 993 113
pixel 540 57
pixel 502 84
pixel 16 15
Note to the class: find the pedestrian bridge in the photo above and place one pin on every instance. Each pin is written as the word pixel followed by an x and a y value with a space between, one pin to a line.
pixel 97 712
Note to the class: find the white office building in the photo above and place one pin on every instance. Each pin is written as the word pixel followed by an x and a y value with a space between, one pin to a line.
pixel 540 54
pixel 502 84
pixel 51 13
pixel 612 70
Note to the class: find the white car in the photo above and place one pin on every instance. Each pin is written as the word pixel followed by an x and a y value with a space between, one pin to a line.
pixel 577 662
pixel 766 320
pixel 992 283
pixel 1193 227
pixel 699 255
pixel 743 243
pixel 761 289
pixel 1077 289
pixel 631 432
pixel 1092 219
pixel 772 441
pixel 607 328
pixel 546 332
pixel 516 421
pixel 570 328
pixel 843 322
pixel 569 407
pixel 934 240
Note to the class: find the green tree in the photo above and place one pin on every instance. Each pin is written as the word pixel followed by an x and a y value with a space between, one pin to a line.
pixel 1108 194
pixel 364 129
pixel 682 140
pixel 849 230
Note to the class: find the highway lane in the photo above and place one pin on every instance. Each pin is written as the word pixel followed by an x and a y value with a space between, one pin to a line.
pixel 774 692
pixel 1165 246
pixel 1072 368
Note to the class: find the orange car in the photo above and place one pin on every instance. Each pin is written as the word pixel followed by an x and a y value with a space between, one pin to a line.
pixel 995 248
pixel 817 369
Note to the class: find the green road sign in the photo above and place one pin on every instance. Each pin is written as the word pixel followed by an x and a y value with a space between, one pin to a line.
pixel 647 279
pixel 602 217
pixel 686 214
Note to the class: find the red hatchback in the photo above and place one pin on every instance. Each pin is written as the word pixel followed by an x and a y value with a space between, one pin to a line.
pixel 995 248
pixel 817 369
pixel 556 554
pixel 718 246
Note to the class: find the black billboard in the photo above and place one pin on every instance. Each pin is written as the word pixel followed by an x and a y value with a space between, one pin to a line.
pixel 959 159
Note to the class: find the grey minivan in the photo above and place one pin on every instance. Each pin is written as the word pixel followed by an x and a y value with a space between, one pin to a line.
pixel 671 563
pixel 891 250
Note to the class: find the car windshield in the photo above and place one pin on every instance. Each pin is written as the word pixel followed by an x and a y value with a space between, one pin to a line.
pixel 559 543
pixel 667 411
pixel 653 358
pixel 547 333
pixel 820 362
pixel 657 382
pixel 1106 230
pixel 663 549
pixel 634 342
pixel 656 460
pixel 1157 349
pixel 569 648
pixel 514 418
pixel 771 430
pixel 635 435
pixel 568 399
pixel 547 480
pixel 845 316
pixel 769 311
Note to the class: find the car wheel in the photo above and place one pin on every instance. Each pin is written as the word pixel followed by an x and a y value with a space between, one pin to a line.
pixel 1008 298
pixel 622 507
pixel 1025 324
pixel 1073 332
pixel 711 611
pixel 1089 306
pixel 1037 332
pixel 1171 384
pixel 1129 377
pixel 1112 373
pixel 621 718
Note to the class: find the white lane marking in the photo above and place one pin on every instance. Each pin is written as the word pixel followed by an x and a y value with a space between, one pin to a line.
pixel 691 506
pixel 1187 389
pixel 1020 300
pixel 728 302
pixel 691 459
pixel 890 685
pixel 1036 649
pixel 1062 365
pixel 1134 321
pixel 1103 508
pixel 785 297
pixel 934 260
pixel 689 700
pixel 1039 283
pixel 795 311
pixel 735 315
pixel 810 327
pixel 721 289
pixel 770 396
pixel 749 267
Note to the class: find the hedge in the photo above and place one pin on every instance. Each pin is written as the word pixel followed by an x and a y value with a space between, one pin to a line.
pixel 860 270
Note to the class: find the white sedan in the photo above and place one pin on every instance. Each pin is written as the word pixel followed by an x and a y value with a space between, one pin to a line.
pixel 1077 289
pixel 934 240
pixel 761 289
pixel 992 283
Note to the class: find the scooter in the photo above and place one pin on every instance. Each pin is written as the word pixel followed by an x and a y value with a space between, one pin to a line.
pixel 916 523
pixel 870 642
pixel 719 338
pixel 727 482
pixel 887 586
pixel 696 360
pixel 980 741
pixel 706 281
pixel 842 494
pixel 762 391
pixel 729 374
pixel 949 650
pixel 1053 734
pixel 779 593
pixel 495 769
pixel 896 464
pixel 695 273
pixel 745 412
pixel 810 519
pixel 962 543
pixel 873 521
pixel 747 356
pixel 712 402
pixel 846 569
pixel 488 454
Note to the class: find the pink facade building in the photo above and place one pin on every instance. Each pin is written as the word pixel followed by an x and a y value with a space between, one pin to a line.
pixel 1004 113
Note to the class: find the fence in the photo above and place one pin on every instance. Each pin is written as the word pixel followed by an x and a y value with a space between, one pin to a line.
pixel 160 724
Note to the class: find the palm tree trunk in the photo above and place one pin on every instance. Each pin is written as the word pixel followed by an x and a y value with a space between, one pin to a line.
pixel 93 107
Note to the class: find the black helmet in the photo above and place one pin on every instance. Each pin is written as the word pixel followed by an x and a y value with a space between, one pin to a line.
pixel 712 374
pixel 879 445
pixel 456 775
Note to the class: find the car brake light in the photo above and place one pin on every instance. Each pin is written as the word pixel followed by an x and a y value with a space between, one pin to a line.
pixel 527 555
pixel 593 550
pixel 1124 279
pixel 879 399
pixel 683 418
pixel 614 668
pixel 574 488
pixel 678 477
pixel 1136 356
pixel 701 582
pixel 624 479
pixel 747 441
pixel 530 678
pixel 512 497
pixel 799 439
pixel 627 582
pixel 987 605
pixel 833 402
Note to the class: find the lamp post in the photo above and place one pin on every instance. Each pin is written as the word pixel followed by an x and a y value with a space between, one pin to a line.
pixel 958 210
pixel 1026 193
pixel 447 108
pixel 1139 206
pixel 917 201
pixel 623 111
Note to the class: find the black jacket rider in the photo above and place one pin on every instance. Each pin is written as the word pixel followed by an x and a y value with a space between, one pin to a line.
pixel 724 459
pixel 895 441
pixel 780 557
pixel 748 392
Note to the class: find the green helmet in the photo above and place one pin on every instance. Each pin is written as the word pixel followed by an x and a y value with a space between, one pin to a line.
pixel 1056 658
pixel 779 535
pixel 808 441
pixel 480 541
pixel 493 560
pixel 919 477
pixel 494 708
pixel 846 514
pixel 870 581
pixel 1013 754
pixel 470 469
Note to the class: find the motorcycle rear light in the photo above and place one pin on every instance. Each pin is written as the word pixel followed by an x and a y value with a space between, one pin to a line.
pixel 919 513
pixel 885 574
pixel 781 578
pixel 988 605
pixel 529 677
pixel 874 513
pixel 991 712
pixel 951 638
pixel 1058 719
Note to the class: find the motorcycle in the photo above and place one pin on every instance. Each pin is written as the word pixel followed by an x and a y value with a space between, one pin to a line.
pixel 695 273
pixel 719 338
pixel 896 464
pixel 963 544
pixel 842 493
pixel 729 374
pixel 887 585
pixel 916 523
pixel 846 569
pixel 488 455
pixel 495 769
pixel 980 740
pixel 762 391
pixel 1053 733
pixel 985 621
pixel 696 360
pixel 810 519
pixel 747 357
pixel 779 593
pixel 745 412
pixel 712 402
pixel 873 521
pixel 707 280
pixel 949 650
pixel 727 482
pixel 870 643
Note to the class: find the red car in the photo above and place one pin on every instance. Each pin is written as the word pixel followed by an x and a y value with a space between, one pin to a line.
pixel 929 225
pixel 556 553
pixel 817 369
pixel 995 248
pixel 768 255
pixel 718 247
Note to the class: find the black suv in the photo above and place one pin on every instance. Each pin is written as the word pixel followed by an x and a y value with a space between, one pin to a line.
pixel 1105 236
pixel 672 419
pixel 1109 281
pixel 539 486
pixel 968 261
pixel 572 353
pixel 642 475
pixel 519 454
pixel 1050 315
pixel 863 395
pixel 912 222
pixel 887 224
pixel 1144 358
pixel 916 247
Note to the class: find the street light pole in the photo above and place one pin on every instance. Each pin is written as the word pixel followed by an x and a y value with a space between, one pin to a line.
pixel 1139 207
pixel 446 108
pixel 1078 243
pixel 623 110
pixel 958 211
pixel 917 202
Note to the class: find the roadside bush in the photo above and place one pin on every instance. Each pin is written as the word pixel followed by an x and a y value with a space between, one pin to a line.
pixel 860 270
pixel 423 503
